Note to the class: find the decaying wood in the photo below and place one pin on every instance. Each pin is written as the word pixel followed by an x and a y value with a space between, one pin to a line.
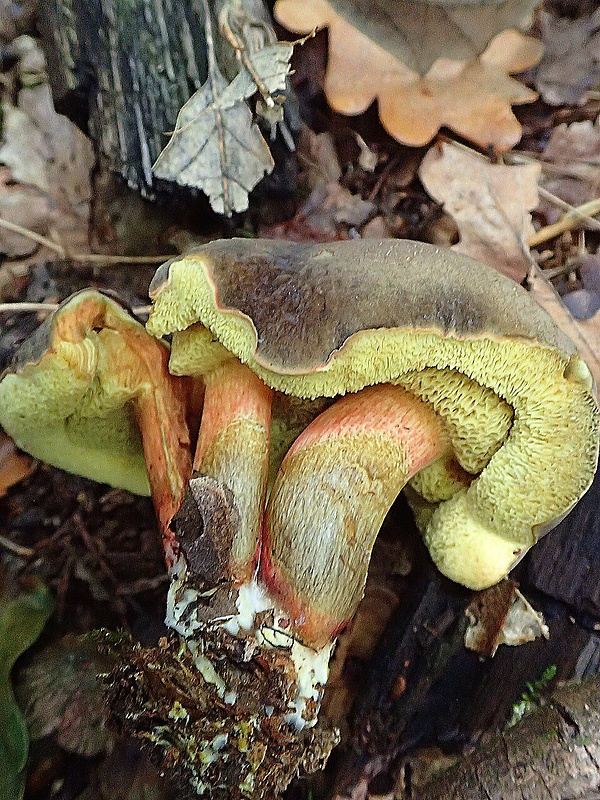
pixel 566 564
pixel 124 70
pixel 134 63
pixel 551 754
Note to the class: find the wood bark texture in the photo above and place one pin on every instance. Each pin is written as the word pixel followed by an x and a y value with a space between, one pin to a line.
pixel 135 63
pixel 551 754
pixel 422 688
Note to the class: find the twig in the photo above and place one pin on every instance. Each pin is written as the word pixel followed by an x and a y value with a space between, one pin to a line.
pixel 385 174
pixel 36 237
pixel 92 258
pixel 552 198
pixel 19 550
pixel 566 223
pixel 574 215
pixel 18 308
pixel 566 169
pixel 22 307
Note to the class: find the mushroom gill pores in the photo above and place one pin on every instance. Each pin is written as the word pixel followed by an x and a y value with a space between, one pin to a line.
pixel 90 392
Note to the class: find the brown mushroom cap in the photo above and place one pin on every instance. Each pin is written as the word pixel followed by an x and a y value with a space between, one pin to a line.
pixel 294 306
pixel 323 320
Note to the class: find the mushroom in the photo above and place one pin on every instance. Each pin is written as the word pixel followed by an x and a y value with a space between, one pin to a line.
pixel 334 375
pixel 90 392
pixel 437 364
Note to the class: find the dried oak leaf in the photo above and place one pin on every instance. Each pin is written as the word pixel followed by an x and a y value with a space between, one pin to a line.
pixel 46 183
pixel 216 145
pixel 571 63
pixel 13 465
pixel 427 65
pixel 490 203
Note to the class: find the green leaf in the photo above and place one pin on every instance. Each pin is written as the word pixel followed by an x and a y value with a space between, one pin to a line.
pixel 22 618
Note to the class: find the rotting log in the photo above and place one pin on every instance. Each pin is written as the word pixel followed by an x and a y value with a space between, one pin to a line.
pixel 123 71
pixel 133 65
pixel 551 753
pixel 566 564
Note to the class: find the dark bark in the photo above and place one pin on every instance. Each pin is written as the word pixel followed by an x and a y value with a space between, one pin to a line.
pixel 122 69
pixel 566 563
pixel 129 66
pixel 551 754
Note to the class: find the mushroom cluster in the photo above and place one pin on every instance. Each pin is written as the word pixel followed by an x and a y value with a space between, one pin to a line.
pixel 333 376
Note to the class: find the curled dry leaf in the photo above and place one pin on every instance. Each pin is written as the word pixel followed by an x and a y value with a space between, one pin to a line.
pixel 489 202
pixel 216 145
pixel 48 161
pixel 420 62
pixel 13 465
pixel 502 615
pixel 571 63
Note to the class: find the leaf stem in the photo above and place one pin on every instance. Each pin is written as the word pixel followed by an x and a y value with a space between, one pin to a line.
pixel 93 258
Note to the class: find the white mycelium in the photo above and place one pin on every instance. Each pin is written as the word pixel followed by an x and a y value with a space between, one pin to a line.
pixel 312 666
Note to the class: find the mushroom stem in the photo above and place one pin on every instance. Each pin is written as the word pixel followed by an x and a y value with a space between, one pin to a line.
pixel 334 488
pixel 233 448
pixel 159 404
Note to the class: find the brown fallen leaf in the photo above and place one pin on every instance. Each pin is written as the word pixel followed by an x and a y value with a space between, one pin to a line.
pixel 490 203
pixel 318 159
pixel 49 159
pixel 326 216
pixel 585 334
pixel 330 208
pixel 571 166
pixel 502 615
pixel 420 62
pixel 571 64
pixel 13 465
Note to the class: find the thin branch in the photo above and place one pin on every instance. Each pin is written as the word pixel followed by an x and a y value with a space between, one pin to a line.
pixel 573 217
pixel 19 550
pixel 552 198
pixel 91 258
pixel 19 308
pixel 6 308
pixel 35 237
pixel 566 223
